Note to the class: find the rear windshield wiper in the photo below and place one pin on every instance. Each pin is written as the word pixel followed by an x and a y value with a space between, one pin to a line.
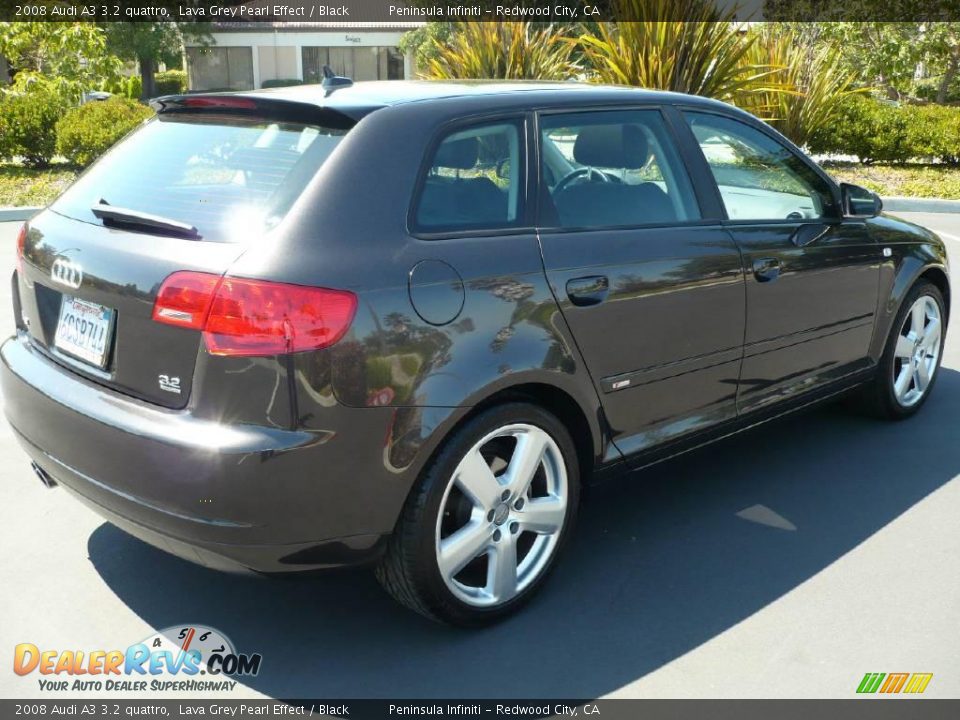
pixel 125 216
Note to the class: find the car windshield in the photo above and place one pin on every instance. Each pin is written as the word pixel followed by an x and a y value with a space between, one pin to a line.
pixel 228 177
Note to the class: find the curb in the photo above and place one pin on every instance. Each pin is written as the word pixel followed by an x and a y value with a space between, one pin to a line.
pixel 18 214
pixel 912 204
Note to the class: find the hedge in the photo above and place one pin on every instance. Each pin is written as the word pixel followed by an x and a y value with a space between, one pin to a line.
pixel 171 82
pixel 86 132
pixel 28 126
pixel 877 131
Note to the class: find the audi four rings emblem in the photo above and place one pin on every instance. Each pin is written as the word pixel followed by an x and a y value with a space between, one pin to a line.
pixel 66 273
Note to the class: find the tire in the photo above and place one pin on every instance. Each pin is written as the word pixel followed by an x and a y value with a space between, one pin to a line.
pixel 883 397
pixel 481 502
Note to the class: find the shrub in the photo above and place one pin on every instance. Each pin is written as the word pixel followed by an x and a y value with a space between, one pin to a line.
pixel 128 87
pixel 280 82
pixel 28 126
pixel 874 131
pixel 934 132
pixel 806 87
pixel 502 50
pixel 86 132
pixel 133 88
pixel 171 82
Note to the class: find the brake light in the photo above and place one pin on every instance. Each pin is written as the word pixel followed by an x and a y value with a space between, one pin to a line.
pixel 21 243
pixel 234 103
pixel 242 317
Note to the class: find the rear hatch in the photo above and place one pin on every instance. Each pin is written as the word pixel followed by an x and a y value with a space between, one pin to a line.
pixel 189 191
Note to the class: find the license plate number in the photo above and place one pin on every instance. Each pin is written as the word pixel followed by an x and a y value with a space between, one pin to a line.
pixel 83 330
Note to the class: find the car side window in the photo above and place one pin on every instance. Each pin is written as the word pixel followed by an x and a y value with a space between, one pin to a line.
pixel 759 179
pixel 611 169
pixel 474 181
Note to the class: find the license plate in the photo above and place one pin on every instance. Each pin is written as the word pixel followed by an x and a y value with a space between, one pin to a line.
pixel 83 330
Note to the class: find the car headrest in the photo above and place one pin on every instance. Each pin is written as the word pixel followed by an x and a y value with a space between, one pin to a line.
pixel 612 146
pixel 458 154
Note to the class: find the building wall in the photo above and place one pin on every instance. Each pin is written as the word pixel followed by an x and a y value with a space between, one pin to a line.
pixel 279 55
pixel 277 62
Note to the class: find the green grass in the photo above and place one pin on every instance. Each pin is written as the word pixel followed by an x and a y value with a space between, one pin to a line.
pixel 21 185
pixel 914 180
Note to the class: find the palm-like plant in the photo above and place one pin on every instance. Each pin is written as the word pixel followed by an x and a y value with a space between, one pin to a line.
pixel 503 50
pixel 703 54
pixel 809 83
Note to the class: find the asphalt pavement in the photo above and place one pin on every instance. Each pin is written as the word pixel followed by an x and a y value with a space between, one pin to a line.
pixel 785 562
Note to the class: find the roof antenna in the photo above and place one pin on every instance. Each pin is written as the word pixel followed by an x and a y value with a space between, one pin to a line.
pixel 332 81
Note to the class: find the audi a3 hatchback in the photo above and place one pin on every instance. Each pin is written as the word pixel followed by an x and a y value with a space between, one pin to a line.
pixel 405 323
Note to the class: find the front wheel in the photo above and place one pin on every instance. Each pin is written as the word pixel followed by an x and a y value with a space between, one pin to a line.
pixel 482 529
pixel 912 355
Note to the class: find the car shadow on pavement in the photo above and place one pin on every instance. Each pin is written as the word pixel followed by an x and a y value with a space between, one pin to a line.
pixel 661 562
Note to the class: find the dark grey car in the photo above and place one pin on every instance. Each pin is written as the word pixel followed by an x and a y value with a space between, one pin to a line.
pixel 403 323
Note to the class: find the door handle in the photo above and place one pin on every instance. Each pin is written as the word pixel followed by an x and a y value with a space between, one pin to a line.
pixel 590 290
pixel 766 269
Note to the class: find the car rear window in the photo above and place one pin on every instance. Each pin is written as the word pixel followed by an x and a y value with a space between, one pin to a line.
pixel 227 176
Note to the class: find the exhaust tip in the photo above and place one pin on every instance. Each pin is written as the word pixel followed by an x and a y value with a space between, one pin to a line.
pixel 45 478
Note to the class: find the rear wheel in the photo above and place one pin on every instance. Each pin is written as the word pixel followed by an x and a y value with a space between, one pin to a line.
pixel 911 356
pixel 483 528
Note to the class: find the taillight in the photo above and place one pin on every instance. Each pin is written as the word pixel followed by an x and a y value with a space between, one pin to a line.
pixel 185 298
pixel 254 317
pixel 21 242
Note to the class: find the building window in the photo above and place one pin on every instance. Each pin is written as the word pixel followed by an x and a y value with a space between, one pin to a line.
pixel 356 63
pixel 220 68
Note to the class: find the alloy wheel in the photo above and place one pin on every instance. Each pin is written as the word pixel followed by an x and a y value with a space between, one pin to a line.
pixel 502 515
pixel 917 352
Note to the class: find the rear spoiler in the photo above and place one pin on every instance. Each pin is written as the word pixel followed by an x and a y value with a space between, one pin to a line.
pixel 265 106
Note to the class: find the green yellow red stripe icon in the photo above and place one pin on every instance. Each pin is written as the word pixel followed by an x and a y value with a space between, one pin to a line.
pixel 891 683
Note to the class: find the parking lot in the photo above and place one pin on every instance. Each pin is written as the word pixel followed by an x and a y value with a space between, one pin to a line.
pixel 786 562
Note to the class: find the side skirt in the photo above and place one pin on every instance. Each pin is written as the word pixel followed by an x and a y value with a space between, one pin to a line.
pixel 727 429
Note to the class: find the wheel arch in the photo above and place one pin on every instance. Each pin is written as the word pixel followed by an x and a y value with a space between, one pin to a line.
pixel 908 272
pixel 938 276
pixel 560 404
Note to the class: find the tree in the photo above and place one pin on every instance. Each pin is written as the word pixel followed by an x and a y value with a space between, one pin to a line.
pixel 149 44
pixel 64 57
pixel 425 42
pixel 942 54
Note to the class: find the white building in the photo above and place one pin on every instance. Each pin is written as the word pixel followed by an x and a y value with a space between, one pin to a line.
pixel 246 55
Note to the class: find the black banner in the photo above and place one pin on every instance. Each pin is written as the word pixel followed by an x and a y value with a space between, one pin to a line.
pixel 872 709
pixel 404 11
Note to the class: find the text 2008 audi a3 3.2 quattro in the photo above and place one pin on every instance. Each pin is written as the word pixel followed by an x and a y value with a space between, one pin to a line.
pixel 404 323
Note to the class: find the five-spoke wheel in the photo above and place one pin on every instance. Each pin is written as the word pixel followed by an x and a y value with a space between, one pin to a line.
pixel 911 356
pixel 917 352
pixel 492 511
pixel 502 514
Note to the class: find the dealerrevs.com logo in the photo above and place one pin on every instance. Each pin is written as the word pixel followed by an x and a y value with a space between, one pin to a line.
pixel 179 658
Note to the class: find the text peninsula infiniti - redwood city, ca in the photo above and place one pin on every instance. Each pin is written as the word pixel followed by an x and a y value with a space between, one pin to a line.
pixel 403 323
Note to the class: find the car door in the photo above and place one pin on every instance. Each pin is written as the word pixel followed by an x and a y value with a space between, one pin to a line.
pixel 811 274
pixel 651 287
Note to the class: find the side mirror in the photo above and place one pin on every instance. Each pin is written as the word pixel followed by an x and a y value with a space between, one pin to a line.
pixel 859 202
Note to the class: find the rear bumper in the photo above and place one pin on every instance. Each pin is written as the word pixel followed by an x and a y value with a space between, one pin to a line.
pixel 232 497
